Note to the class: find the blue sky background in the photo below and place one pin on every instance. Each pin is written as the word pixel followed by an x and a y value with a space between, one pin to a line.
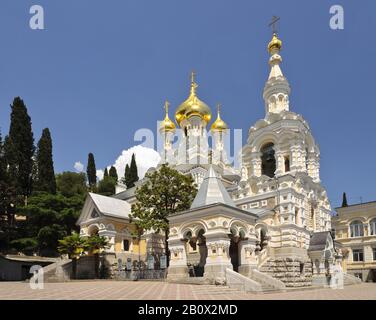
pixel 102 69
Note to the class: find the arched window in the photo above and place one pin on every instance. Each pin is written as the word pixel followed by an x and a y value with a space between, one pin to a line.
pixel 297 216
pixel 268 163
pixel 356 229
pixel 372 227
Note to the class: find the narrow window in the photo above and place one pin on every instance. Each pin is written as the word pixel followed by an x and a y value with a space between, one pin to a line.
pixel 301 268
pixel 287 163
pixel 313 217
pixel 356 229
pixel 372 225
pixel 296 215
pixel 126 245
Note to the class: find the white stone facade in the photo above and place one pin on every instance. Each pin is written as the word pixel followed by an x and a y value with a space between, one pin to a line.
pixel 278 184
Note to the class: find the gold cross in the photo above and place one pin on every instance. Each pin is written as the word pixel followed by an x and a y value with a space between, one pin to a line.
pixel 166 105
pixel 193 75
pixel 273 23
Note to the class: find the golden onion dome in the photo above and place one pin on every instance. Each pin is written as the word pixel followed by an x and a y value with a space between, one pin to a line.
pixel 193 106
pixel 219 124
pixel 167 124
pixel 274 44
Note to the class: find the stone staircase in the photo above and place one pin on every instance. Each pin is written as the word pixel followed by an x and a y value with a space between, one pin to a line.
pixel 256 281
pixel 56 272
pixel 349 279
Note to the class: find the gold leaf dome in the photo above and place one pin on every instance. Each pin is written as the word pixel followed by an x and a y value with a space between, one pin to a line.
pixel 274 44
pixel 219 124
pixel 167 124
pixel 193 106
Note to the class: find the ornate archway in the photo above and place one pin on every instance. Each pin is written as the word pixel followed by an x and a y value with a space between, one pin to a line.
pixel 196 252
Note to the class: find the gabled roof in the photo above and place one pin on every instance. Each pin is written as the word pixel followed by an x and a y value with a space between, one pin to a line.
pixel 212 191
pixel 111 206
pixel 318 240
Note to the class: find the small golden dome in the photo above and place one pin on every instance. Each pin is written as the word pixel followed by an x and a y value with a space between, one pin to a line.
pixel 219 124
pixel 193 106
pixel 167 124
pixel 275 43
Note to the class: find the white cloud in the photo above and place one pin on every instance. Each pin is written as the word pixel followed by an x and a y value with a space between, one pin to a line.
pixel 100 174
pixel 145 159
pixel 79 166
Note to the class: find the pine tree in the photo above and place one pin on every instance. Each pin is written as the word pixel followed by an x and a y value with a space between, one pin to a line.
pixel 344 200
pixel 45 167
pixel 91 172
pixel 127 177
pixel 133 170
pixel 19 148
pixel 113 173
pixel 105 174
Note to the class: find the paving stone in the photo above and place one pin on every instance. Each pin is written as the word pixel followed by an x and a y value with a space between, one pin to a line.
pixel 156 290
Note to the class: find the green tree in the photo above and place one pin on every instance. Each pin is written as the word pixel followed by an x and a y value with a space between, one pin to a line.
pixel 127 177
pixel 133 170
pixel 71 183
pixel 105 174
pixel 164 192
pixel 113 173
pixel 73 246
pixel 19 149
pixel 106 186
pixel 49 218
pixel 45 167
pixel 94 244
pixel 91 172
pixel 8 198
pixel 25 245
pixel 48 237
pixel 3 165
pixel 344 200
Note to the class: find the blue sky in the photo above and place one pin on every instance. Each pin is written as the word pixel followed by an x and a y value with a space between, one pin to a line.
pixel 102 69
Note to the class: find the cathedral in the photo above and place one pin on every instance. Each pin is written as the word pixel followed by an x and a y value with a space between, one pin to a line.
pixel 265 224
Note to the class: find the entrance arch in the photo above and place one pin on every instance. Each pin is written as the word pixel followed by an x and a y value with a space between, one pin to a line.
pixel 196 252
pixel 234 251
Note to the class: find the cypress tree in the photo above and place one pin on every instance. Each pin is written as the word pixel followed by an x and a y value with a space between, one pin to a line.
pixel 19 148
pixel 91 172
pixel 45 167
pixel 113 173
pixel 344 200
pixel 127 178
pixel 133 170
pixel 3 165
pixel 105 174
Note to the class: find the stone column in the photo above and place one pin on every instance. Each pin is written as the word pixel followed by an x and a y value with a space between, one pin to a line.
pixel 218 259
pixel 256 164
pixel 280 162
pixel 248 258
pixel 296 157
pixel 178 268
pixel 110 236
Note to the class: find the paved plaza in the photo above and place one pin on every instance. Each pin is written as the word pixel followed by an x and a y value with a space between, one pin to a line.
pixel 124 290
